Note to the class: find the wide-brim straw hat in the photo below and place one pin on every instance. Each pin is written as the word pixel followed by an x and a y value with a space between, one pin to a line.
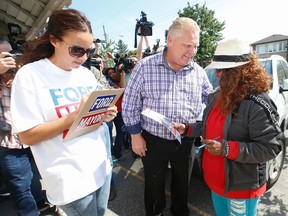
pixel 231 53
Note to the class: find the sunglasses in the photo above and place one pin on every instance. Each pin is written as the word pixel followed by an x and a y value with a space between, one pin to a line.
pixel 218 70
pixel 77 51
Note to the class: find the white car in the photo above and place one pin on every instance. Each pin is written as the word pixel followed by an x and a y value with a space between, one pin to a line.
pixel 277 67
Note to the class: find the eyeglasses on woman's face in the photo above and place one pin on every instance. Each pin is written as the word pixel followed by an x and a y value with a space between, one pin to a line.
pixel 77 51
pixel 218 70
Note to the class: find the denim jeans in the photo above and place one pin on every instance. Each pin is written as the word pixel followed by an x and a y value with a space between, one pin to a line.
pixel 94 204
pixel 15 165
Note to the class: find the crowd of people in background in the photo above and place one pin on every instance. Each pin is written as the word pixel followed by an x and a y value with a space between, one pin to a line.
pixel 63 65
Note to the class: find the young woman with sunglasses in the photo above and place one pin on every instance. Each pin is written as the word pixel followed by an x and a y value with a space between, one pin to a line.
pixel 46 94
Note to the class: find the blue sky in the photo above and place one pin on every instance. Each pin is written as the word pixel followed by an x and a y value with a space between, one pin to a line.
pixel 251 20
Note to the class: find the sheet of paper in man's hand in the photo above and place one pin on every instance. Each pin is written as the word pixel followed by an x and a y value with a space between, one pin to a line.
pixel 162 120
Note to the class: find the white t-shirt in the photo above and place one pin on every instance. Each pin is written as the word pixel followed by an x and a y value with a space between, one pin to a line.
pixel 70 170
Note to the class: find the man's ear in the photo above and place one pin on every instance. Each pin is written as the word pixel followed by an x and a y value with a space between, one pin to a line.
pixel 170 40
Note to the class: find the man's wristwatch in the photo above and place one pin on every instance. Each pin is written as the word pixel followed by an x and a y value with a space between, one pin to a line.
pixel 225 150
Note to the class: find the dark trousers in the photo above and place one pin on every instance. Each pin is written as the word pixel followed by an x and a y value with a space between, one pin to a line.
pixel 119 139
pixel 159 153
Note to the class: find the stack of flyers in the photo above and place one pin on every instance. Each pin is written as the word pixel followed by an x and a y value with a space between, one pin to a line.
pixel 162 120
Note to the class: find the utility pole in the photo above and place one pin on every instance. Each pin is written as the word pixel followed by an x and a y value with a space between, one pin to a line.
pixel 286 50
pixel 105 35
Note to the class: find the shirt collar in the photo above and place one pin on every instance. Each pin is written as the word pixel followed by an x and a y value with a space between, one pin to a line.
pixel 162 61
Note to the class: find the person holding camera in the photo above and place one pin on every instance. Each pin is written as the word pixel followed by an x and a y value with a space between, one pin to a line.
pixel 6 60
pixel 17 165
pixel 174 85
pixel 49 88
pixel 143 28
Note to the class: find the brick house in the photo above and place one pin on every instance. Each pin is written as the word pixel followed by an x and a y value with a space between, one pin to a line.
pixel 273 45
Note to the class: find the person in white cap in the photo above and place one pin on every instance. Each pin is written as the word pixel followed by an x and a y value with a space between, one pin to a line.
pixel 240 134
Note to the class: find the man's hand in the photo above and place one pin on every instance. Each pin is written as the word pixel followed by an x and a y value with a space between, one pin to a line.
pixel 180 127
pixel 109 55
pixel 138 145
pixel 6 62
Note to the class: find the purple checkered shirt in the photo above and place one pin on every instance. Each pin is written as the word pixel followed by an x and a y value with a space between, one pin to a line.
pixel 176 95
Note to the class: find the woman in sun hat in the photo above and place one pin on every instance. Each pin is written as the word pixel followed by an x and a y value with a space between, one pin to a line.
pixel 240 136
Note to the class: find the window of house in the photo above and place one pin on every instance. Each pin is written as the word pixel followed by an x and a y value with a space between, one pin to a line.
pixel 257 49
pixel 266 48
pixel 262 48
pixel 274 47
pixel 270 47
pixel 280 46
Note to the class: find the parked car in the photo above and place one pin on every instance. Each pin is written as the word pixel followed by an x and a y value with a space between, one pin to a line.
pixel 277 67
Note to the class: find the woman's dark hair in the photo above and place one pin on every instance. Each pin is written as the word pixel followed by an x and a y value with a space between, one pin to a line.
pixel 106 70
pixel 60 22
pixel 237 83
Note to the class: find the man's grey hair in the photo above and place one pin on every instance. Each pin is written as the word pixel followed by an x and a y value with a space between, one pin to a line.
pixel 180 25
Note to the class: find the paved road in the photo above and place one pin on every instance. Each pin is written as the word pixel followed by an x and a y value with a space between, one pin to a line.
pixel 128 175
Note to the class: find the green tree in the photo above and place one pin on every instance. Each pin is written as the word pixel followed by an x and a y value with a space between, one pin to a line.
pixel 121 47
pixel 210 31
pixel 107 46
pixel 132 52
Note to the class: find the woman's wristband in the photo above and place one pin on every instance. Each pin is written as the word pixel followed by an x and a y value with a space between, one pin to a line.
pixel 225 150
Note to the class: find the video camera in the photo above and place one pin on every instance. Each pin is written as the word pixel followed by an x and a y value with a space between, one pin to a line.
pixel 17 55
pixel 97 40
pixel 143 27
pixel 128 63
pixel 14 30
pixel 95 62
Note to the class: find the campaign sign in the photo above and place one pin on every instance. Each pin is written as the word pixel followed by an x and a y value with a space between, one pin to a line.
pixel 92 112
pixel 90 120
pixel 102 102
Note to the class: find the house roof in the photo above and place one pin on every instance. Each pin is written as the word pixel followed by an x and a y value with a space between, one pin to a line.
pixel 272 38
pixel 30 15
